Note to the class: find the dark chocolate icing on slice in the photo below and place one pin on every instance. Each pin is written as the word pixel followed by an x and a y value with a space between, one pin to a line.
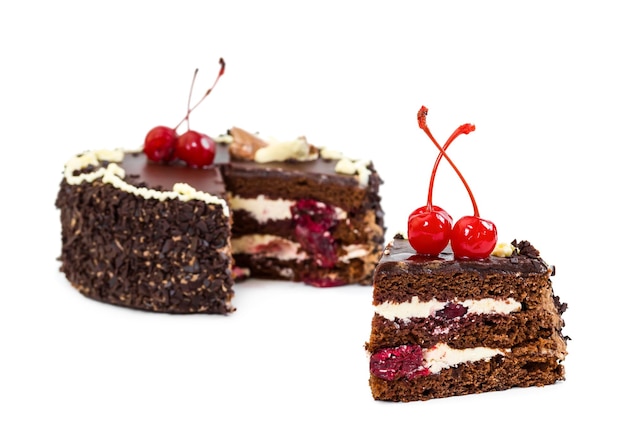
pixel 320 169
pixel 209 179
pixel 400 255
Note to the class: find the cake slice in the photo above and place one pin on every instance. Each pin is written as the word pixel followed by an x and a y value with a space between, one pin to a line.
pixel 444 326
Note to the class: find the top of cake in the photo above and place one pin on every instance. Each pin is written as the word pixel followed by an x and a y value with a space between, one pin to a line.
pixel 136 172
pixel 522 258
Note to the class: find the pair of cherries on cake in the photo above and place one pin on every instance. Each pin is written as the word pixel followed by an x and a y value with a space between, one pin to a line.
pixel 164 144
pixel 431 228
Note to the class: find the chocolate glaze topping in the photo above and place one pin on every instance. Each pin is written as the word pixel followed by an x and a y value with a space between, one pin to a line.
pixel 399 254
pixel 160 176
pixel 209 179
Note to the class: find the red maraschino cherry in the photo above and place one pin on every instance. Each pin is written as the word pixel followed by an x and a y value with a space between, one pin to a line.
pixel 430 227
pixel 163 144
pixel 160 143
pixel 195 148
pixel 472 237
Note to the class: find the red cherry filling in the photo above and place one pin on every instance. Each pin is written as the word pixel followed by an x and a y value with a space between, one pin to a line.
pixel 196 149
pixel 405 361
pixel 162 144
pixel 472 237
pixel 323 282
pixel 313 221
pixel 451 311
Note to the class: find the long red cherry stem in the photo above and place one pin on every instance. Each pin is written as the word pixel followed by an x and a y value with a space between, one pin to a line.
pixel 461 130
pixel 190 109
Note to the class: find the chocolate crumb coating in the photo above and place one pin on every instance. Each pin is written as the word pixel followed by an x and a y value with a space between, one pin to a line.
pixel 164 256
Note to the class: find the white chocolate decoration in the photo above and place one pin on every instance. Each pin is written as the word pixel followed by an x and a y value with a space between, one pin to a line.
pixel 297 149
pixel 503 249
pixel 329 154
pixel 354 167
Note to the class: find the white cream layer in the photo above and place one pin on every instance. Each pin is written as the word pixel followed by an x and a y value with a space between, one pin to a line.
pixel 417 309
pixel 264 209
pixel 268 245
pixel 441 356
pixel 113 174
pixel 284 249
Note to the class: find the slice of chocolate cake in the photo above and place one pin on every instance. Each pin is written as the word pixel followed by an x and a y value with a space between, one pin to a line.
pixel 157 236
pixel 444 326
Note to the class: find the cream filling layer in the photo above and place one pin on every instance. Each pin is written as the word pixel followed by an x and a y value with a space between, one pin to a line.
pixel 268 245
pixel 416 309
pixel 284 249
pixel 264 209
pixel 114 175
pixel 442 356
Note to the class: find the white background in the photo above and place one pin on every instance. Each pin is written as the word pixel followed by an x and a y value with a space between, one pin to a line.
pixel 542 81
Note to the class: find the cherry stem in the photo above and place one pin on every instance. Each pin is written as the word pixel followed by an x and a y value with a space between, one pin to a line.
pixel 193 81
pixel 190 109
pixel 461 130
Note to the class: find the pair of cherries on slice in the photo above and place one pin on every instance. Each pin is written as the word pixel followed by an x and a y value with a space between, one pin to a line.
pixel 430 228
pixel 164 145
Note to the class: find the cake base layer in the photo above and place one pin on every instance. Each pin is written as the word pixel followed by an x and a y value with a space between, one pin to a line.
pixel 356 271
pixel 165 256
pixel 523 367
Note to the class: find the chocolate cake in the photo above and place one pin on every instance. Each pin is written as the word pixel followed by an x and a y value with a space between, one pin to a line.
pixel 174 238
pixel 444 326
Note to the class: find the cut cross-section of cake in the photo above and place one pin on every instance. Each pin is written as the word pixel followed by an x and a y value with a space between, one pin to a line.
pixel 444 326
pixel 302 213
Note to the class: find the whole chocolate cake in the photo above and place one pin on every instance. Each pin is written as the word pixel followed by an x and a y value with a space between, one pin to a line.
pixel 169 237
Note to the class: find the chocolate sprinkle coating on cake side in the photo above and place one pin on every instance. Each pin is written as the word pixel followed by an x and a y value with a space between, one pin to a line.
pixel 124 250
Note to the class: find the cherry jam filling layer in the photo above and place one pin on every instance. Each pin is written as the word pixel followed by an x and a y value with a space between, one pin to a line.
pixel 405 361
pixel 413 361
pixel 313 221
